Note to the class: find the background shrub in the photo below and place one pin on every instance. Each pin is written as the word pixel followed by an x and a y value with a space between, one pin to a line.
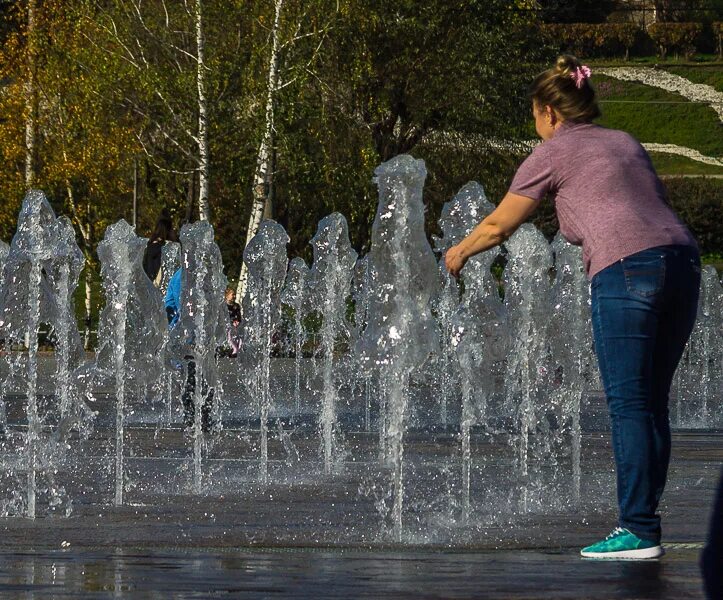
pixel 699 202
pixel 678 37
pixel 593 39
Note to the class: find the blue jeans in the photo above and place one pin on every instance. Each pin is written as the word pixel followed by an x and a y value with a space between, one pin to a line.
pixel 643 310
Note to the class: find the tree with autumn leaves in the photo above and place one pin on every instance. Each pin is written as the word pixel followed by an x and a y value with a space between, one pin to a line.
pixel 171 99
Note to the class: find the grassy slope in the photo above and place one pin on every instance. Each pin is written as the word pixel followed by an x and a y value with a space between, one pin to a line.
pixel 671 164
pixel 712 75
pixel 683 123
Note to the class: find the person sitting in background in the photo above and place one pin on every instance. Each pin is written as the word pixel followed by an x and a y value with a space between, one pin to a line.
pixel 234 315
pixel 234 308
pixel 152 257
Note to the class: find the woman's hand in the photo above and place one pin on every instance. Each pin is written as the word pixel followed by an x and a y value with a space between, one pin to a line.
pixel 492 231
pixel 454 260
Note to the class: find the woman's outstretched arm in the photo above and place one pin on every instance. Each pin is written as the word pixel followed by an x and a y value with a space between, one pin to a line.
pixel 492 231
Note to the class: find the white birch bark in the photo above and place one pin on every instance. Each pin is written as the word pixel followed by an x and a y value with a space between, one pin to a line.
pixel 30 99
pixel 204 212
pixel 263 176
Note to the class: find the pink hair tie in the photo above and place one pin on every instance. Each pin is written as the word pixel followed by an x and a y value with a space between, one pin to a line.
pixel 580 74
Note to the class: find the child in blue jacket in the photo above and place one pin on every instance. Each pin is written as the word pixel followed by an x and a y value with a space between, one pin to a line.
pixel 173 313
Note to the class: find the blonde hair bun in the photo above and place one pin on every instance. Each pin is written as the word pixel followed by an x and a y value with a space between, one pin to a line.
pixel 562 88
pixel 566 64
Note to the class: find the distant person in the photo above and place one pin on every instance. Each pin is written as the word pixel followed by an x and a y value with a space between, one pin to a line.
pixel 234 315
pixel 173 314
pixel 711 560
pixel 644 268
pixel 234 308
pixel 152 257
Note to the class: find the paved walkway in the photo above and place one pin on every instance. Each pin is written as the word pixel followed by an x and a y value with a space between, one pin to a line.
pixel 310 536
pixel 508 575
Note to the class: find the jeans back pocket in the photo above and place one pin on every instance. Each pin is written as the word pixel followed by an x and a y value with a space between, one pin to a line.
pixel 644 273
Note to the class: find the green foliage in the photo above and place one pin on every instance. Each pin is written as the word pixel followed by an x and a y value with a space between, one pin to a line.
pixel 359 82
pixel 623 39
pixel 575 11
pixel 382 85
pixel 709 75
pixel 448 170
pixel 593 39
pixel 84 146
pixel 673 164
pixel 677 11
pixel 432 65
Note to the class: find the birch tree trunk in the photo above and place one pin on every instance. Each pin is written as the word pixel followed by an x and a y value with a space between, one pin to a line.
pixel 204 212
pixel 190 196
pixel 31 99
pixel 263 176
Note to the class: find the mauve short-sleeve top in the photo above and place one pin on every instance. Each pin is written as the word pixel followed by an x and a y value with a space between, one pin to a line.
pixel 608 197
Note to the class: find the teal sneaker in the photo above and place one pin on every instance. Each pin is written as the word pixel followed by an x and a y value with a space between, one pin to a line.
pixel 621 543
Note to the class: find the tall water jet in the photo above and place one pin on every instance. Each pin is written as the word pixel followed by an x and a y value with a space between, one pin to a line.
pixel 330 280
pixel 131 327
pixel 572 341
pixel 64 275
pixel 699 378
pixel 201 328
pixel 444 305
pixel 24 287
pixel 265 257
pixel 296 296
pixel 711 308
pixel 170 263
pixel 4 250
pixel 401 332
pixel 478 339
pixel 362 284
pixel 527 298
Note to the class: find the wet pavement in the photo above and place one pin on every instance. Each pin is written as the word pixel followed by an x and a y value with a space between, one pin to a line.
pixel 343 574
pixel 311 535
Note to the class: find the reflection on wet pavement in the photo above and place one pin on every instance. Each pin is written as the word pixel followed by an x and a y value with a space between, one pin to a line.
pixel 324 574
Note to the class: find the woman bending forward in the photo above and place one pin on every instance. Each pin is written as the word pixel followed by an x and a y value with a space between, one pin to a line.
pixel 644 269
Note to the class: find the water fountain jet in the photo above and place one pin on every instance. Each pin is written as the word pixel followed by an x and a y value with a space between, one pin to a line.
pixel 265 257
pixel 401 333
pixel 330 280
